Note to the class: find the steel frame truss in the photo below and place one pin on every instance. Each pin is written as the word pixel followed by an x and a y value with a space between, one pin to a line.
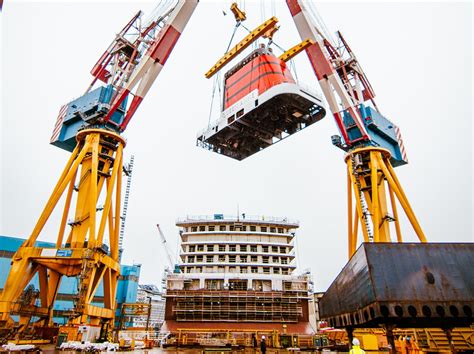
pixel 95 165
pixel 369 176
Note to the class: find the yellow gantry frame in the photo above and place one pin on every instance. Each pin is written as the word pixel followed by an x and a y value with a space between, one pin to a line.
pixel 95 162
pixel 244 43
pixel 292 52
pixel 369 179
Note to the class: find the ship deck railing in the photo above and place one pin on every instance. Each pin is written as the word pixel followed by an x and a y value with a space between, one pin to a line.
pixel 234 218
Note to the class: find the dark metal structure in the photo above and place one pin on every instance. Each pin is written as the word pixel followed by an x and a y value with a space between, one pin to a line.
pixel 408 285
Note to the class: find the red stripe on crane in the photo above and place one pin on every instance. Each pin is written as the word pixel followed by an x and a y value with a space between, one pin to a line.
pixel 164 44
pixel 400 143
pixel 131 111
pixel 59 123
pixel 340 125
pixel 116 103
pixel 294 7
pixel 321 66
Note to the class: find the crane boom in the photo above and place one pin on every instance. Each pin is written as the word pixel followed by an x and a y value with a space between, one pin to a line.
pixel 165 246
pixel 346 88
pixel 127 70
pixel 372 142
pixel 329 80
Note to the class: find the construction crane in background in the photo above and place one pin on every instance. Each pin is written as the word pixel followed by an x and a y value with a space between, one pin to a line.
pixel 172 266
pixel 127 169
pixel 90 128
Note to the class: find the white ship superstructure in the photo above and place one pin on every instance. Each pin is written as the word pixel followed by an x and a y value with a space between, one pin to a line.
pixel 237 271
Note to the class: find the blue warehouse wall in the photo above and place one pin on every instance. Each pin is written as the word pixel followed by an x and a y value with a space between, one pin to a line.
pixel 126 290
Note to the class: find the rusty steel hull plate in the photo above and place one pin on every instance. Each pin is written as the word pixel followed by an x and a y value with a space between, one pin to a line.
pixel 403 284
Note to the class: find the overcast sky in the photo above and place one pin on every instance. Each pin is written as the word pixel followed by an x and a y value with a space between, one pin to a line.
pixel 418 57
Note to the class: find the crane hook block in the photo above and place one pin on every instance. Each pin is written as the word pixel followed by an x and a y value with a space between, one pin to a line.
pixel 238 13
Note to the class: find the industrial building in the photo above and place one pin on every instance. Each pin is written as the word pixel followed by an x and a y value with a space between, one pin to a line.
pixel 126 289
pixel 150 294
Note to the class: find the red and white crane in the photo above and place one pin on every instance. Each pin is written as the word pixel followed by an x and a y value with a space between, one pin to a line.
pixel 90 127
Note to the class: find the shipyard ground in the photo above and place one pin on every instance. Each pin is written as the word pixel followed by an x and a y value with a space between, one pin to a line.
pixel 51 350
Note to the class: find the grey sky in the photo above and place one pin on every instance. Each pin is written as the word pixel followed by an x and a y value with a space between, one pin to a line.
pixel 419 60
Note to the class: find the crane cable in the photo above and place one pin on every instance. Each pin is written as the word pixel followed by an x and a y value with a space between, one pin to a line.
pixel 283 50
pixel 322 28
pixel 217 81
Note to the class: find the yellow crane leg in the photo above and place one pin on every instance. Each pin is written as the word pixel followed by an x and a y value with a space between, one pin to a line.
pixel 369 175
pixel 358 202
pixel 95 162
pixel 350 226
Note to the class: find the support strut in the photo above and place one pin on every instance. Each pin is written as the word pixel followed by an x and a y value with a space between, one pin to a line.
pixel 92 174
pixel 369 176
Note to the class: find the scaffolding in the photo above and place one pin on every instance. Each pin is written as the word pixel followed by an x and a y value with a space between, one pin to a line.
pixel 237 306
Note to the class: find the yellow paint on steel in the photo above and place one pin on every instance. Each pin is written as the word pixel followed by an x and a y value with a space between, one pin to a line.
pixel 358 199
pixel 239 47
pixel 397 188
pixel 118 193
pixel 67 206
pixel 96 161
pixel 350 246
pixel 384 217
pixel 68 172
pixel 395 214
pixel 238 13
pixel 93 187
pixel 375 196
pixel 108 201
pixel 269 34
pixel 371 179
pixel 292 52
pixel 355 232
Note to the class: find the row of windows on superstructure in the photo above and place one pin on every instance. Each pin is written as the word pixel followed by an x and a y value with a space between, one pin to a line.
pixel 234 227
pixel 264 270
pixel 237 248
pixel 238 259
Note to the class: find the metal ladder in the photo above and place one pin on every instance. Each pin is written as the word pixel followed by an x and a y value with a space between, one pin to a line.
pixel 363 202
pixel 128 172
